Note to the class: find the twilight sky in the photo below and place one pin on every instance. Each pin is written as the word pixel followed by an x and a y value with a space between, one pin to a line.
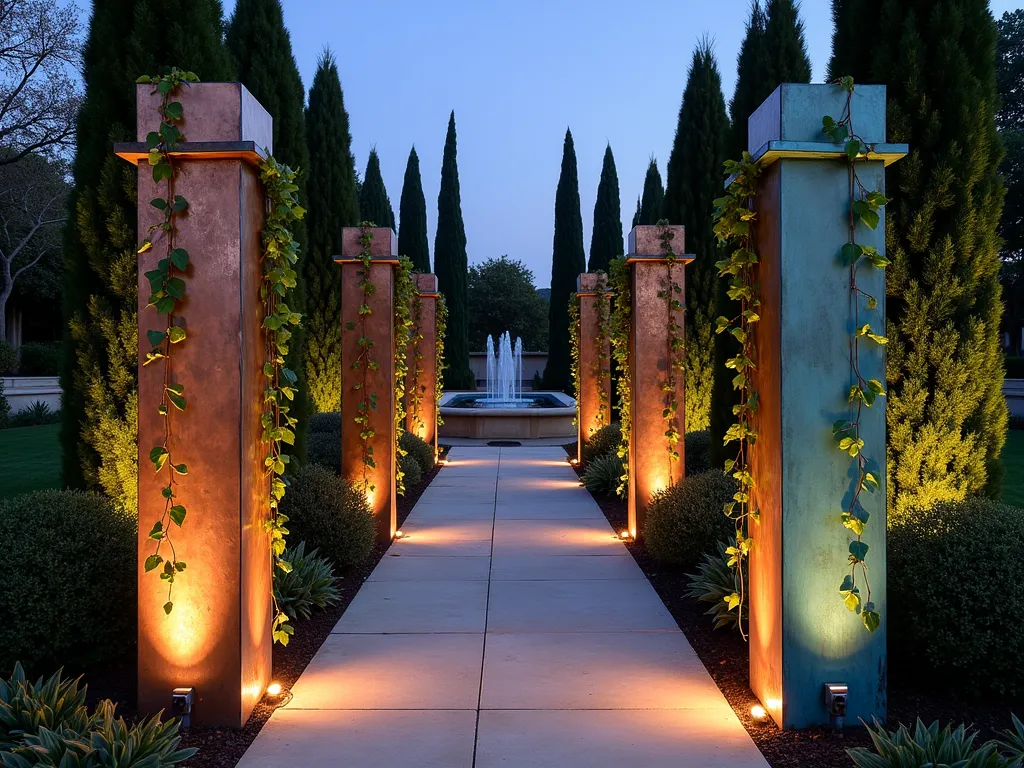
pixel 516 75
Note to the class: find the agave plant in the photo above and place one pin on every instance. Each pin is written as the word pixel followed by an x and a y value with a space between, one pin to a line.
pixel 310 582
pixel 25 707
pixel 603 475
pixel 928 747
pixel 1012 743
pixel 713 583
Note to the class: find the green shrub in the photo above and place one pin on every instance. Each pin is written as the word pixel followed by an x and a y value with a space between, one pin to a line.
pixel 39 359
pixel 8 357
pixel 686 520
pixel 35 415
pixel 603 474
pixel 696 447
pixel 956 596
pixel 1015 367
pixel 329 514
pixel 309 583
pixel 325 423
pixel 926 747
pixel 48 724
pixel 713 582
pixel 419 449
pixel 68 576
pixel 604 441
pixel 324 449
pixel 5 408
pixel 412 474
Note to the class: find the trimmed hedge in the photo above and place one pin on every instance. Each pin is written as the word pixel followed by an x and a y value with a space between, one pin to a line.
pixel 686 520
pixel 330 515
pixel 411 470
pixel 419 449
pixel 324 449
pixel 696 448
pixel 321 423
pixel 67 580
pixel 956 597
pixel 39 359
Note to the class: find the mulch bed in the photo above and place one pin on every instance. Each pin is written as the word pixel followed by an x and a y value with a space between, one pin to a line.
pixel 219 747
pixel 726 657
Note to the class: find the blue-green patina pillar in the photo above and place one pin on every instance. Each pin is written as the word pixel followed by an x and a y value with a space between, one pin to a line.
pixel 802 636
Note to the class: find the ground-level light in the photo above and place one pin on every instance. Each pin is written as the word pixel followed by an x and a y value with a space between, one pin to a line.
pixel 757 712
pixel 274 690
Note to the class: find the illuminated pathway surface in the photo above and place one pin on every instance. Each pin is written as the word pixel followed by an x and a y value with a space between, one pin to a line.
pixel 509 628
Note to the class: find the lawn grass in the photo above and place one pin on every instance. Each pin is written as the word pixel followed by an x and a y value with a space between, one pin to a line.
pixel 1013 468
pixel 29 459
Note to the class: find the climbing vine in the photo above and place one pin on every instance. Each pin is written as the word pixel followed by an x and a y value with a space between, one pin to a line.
pixel 574 351
pixel 441 326
pixel 863 207
pixel 364 363
pixel 602 371
pixel 167 292
pixel 734 227
pixel 675 352
pixel 404 296
pixel 618 328
pixel 414 396
pixel 278 280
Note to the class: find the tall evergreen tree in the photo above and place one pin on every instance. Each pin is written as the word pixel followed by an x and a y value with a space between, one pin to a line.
pixel 412 208
pixel 567 262
pixel 99 415
pixel 653 199
pixel 636 215
pixel 333 204
pixel 261 49
pixel 606 237
pixel 772 52
pixel 374 203
pixel 695 180
pixel 946 415
pixel 452 265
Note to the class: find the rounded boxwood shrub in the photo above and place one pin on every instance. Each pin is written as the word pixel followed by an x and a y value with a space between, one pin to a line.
pixel 67 580
pixel 696 446
pixel 604 441
pixel 419 449
pixel 411 470
pixel 686 520
pixel 329 514
pixel 325 422
pixel 956 596
pixel 324 449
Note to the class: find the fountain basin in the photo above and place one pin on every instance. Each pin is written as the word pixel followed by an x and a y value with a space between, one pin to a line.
pixel 531 416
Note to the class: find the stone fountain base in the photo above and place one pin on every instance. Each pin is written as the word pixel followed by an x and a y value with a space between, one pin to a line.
pixel 556 420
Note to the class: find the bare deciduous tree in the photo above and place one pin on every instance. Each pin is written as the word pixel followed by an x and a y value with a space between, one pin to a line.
pixel 39 95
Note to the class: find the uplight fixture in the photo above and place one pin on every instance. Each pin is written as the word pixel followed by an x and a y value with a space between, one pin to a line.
pixel 757 712
pixel 624 535
pixel 399 534
pixel 274 690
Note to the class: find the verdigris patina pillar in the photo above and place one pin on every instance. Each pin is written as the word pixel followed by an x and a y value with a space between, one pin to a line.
pixel 656 280
pixel 368 370
pixel 595 385
pixel 217 638
pixel 421 366
pixel 802 636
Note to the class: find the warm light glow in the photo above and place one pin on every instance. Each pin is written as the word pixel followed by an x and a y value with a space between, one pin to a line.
pixel 774 703
pixel 399 534
pixel 757 712
pixel 624 535
pixel 370 496
pixel 274 689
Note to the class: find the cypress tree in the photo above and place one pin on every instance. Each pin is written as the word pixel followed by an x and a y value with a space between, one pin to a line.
pixel 412 237
pixel 99 378
pixel 567 261
pixel 333 204
pixel 261 49
pixel 946 416
pixel 452 265
pixel 636 215
pixel 374 203
pixel 654 196
pixel 606 237
pixel 772 52
pixel 695 180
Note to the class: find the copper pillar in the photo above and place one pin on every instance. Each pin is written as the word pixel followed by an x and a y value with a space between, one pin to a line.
pixel 651 275
pixel 217 638
pixel 595 385
pixel 421 377
pixel 368 372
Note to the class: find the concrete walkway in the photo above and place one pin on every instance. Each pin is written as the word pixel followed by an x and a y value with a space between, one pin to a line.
pixel 509 628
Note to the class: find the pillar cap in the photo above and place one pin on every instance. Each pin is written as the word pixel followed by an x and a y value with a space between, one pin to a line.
pixel 249 151
pixel 383 245
pixel 212 112
pixel 426 283
pixel 590 283
pixel 645 242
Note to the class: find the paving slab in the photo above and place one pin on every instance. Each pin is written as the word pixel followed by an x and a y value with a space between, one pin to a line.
pixel 560 567
pixel 397 567
pixel 410 607
pixel 437 509
pixel 556 537
pixel 445 531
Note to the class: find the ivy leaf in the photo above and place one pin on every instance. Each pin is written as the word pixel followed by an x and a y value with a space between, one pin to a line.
pixel 157 531
pixel 732 601
pixel 159 203
pixel 853 149
pixel 872 621
pixel 165 305
pixel 847 585
pixel 156 338
pixel 850 253
pixel 181 469
pixel 858 550
pixel 152 562
pixel 173 110
pixel 158 456
pixel 179 258
pixel 146 245
pixel 168 607
pixel 852 600
pixel 177 514
pixel 876 198
pixel 176 334
pixel 174 394
pixel 175 287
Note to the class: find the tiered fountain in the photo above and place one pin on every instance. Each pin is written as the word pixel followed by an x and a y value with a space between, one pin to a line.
pixel 504 411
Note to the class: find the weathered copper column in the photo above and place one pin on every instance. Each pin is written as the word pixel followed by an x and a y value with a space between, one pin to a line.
pixel 217 638
pixel 652 275
pixel 595 388
pixel 801 634
pixel 368 372
pixel 421 376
